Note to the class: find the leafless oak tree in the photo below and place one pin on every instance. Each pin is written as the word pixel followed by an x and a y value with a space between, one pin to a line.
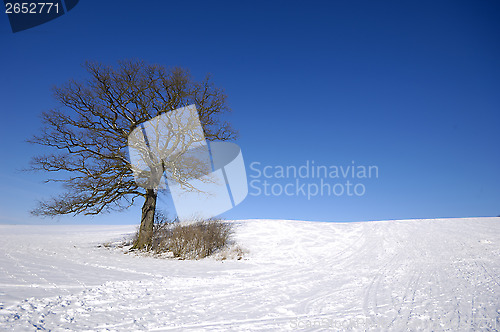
pixel 89 132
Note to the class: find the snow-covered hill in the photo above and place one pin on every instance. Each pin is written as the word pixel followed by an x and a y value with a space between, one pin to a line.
pixel 416 275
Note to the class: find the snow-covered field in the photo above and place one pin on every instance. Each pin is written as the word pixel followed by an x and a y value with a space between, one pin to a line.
pixel 412 275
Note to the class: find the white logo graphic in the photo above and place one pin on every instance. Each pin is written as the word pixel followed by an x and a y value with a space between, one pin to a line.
pixel 204 179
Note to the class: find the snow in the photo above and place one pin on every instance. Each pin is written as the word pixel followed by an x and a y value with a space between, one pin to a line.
pixel 409 275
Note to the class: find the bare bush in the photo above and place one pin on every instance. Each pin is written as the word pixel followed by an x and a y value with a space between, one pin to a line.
pixel 195 240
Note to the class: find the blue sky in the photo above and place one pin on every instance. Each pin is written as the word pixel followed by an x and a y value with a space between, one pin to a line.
pixel 410 87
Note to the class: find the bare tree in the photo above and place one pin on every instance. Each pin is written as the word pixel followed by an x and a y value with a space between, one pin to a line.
pixel 89 132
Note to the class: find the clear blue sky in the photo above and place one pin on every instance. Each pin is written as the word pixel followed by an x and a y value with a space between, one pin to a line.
pixel 412 87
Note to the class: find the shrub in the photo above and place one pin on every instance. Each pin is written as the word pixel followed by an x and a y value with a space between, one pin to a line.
pixel 192 240
pixel 195 240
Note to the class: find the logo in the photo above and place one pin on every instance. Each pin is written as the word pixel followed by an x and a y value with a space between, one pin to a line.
pixel 28 14
pixel 204 179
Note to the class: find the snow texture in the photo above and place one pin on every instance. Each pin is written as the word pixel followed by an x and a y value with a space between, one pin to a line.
pixel 411 275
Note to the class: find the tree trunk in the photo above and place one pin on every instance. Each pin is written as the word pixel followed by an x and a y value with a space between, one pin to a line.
pixel 147 221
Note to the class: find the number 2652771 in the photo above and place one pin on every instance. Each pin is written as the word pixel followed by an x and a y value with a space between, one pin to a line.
pixel 31 8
